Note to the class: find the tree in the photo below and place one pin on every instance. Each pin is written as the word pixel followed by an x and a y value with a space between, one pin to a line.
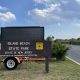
pixel 50 38
pixel 78 38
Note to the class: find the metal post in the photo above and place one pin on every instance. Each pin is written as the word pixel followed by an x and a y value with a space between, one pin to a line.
pixel 47 65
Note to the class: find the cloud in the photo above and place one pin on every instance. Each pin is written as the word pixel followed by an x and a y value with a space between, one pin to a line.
pixel 55 11
pixel 46 15
pixel 76 24
pixel 3 8
pixel 64 1
pixel 41 1
pixel 77 0
pixel 7 17
pixel 47 11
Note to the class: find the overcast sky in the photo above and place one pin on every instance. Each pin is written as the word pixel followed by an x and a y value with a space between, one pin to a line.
pixel 61 18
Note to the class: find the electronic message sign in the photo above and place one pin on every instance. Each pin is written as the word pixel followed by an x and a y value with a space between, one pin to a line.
pixel 22 33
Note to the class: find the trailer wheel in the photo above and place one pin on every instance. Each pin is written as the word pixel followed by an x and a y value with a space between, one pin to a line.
pixel 10 63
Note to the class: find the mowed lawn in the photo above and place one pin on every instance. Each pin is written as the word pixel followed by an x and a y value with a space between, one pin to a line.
pixel 59 70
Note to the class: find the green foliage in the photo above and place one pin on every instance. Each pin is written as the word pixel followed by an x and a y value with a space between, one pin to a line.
pixel 59 51
pixel 78 38
pixel 50 38
pixel 76 42
pixel 69 41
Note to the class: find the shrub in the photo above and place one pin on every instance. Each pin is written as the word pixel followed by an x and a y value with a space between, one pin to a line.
pixel 59 51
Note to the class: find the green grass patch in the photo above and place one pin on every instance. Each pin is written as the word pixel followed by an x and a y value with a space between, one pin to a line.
pixel 59 70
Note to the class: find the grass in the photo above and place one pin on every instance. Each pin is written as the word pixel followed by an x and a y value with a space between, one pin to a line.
pixel 59 70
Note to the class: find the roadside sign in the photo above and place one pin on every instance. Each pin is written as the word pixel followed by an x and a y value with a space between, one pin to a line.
pixel 30 43
pixel 26 48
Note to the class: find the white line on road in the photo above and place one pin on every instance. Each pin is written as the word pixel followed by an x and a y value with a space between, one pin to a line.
pixel 73 60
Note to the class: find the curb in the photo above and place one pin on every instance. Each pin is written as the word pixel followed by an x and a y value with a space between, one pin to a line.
pixel 73 60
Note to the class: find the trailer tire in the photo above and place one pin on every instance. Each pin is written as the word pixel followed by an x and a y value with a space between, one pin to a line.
pixel 10 63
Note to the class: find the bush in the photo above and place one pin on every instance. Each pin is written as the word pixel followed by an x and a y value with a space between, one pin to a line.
pixel 59 51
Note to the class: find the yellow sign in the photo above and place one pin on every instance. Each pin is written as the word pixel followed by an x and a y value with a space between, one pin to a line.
pixel 39 45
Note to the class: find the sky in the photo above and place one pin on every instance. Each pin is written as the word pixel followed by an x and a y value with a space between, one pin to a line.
pixel 60 18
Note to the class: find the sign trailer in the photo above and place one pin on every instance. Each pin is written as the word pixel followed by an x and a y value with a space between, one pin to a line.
pixel 22 44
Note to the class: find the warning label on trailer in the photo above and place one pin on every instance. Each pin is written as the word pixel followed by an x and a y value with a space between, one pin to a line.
pixel 39 45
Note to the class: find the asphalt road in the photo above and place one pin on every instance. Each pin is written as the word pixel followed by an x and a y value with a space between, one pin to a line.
pixel 74 53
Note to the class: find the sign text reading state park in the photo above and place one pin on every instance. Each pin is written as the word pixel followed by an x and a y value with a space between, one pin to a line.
pixel 23 48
